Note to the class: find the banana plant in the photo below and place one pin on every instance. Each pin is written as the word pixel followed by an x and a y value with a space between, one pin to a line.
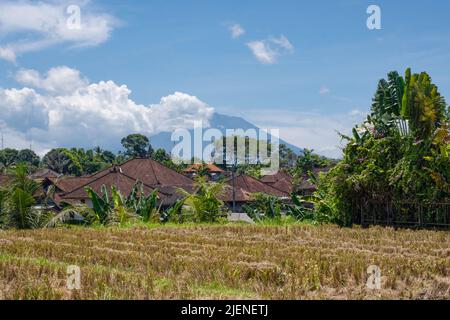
pixel 175 213
pixel 144 206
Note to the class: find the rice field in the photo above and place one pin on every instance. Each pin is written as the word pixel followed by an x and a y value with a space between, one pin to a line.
pixel 225 262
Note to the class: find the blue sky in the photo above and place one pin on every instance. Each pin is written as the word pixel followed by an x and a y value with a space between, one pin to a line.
pixel 322 81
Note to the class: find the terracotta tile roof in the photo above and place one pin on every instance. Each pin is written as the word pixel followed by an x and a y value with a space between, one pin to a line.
pixel 211 168
pixel 280 175
pixel 151 173
pixel 246 186
pixel 4 179
pixel 281 181
pixel 115 178
pixel 44 173
pixel 67 184
pixel 283 185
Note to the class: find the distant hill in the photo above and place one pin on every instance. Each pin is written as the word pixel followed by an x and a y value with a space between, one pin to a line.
pixel 220 122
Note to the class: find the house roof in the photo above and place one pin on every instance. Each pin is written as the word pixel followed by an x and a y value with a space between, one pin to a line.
pixel 246 186
pixel 114 177
pixel 67 184
pixel 280 175
pixel 151 173
pixel 210 166
pixel 44 173
pixel 4 179
pixel 281 181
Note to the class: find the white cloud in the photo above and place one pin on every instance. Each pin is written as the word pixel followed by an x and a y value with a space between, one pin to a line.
pixel 267 51
pixel 57 80
pixel 47 23
pixel 236 31
pixel 324 90
pixel 7 54
pixel 311 130
pixel 357 113
pixel 262 52
pixel 84 114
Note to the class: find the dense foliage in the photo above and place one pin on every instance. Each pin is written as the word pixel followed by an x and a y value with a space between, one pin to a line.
pixel 400 153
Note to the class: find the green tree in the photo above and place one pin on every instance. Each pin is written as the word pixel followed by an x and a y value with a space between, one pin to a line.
pixel 422 105
pixel 18 202
pixel 62 161
pixel 161 156
pixel 400 154
pixel 137 146
pixel 204 204
pixel 9 157
pixel 29 157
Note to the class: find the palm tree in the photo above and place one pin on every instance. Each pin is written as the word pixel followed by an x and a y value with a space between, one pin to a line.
pixel 18 204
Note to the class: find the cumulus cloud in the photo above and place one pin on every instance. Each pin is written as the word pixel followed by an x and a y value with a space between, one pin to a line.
pixel 268 51
pixel 78 113
pixel 57 80
pixel 236 31
pixel 50 23
pixel 312 130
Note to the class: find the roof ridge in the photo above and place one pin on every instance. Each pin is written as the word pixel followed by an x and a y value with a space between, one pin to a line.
pixel 145 184
pixel 170 169
pixel 266 185
pixel 90 181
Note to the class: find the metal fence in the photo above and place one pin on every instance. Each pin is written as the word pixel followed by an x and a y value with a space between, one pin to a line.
pixel 405 214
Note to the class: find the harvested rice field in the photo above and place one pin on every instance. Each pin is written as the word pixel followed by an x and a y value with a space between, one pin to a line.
pixel 225 262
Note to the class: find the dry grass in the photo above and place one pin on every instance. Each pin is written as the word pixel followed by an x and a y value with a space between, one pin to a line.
pixel 225 262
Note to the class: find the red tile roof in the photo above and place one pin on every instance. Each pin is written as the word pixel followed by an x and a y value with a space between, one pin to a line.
pixel 281 180
pixel 151 173
pixel 4 180
pixel 114 177
pixel 44 173
pixel 67 184
pixel 211 168
pixel 280 175
pixel 246 186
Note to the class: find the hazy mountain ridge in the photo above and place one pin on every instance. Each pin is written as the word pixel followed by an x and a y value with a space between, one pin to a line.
pixel 218 121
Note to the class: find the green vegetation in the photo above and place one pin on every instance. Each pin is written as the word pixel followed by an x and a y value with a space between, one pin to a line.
pixel 400 153
pixel 204 205
pixel 18 207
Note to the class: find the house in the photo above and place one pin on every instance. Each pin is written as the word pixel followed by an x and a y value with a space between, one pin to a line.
pixel 43 174
pixel 109 178
pixel 245 187
pixel 212 171
pixel 151 173
pixel 281 180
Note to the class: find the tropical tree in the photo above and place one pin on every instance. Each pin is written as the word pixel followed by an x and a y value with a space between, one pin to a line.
pixel 28 157
pixel 62 161
pixel 137 146
pixel 264 207
pixel 399 154
pixel 144 206
pixel 18 205
pixel 204 204
pixel 8 157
